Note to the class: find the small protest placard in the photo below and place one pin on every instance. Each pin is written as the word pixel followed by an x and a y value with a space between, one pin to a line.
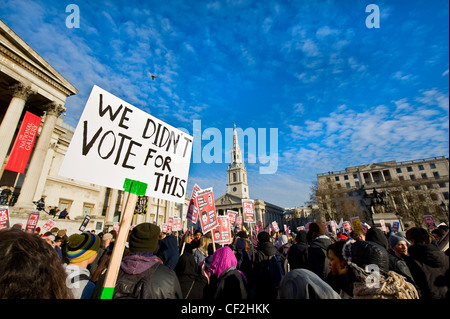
pixel 356 224
pixel 383 225
pixel 115 141
pixel 176 224
pixel 259 227
pixel 429 221
pixel 192 212
pixel 239 222
pixel 207 209
pixel 347 227
pixel 232 215
pixel 248 211
pixel 395 226
pixel 32 221
pixel 222 233
pixel 84 223
pixel 49 224
pixel 141 205
pixel 333 226
pixel 275 226
pixel 4 217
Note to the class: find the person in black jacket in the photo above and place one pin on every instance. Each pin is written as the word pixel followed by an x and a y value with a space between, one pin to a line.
pixel 397 253
pixel 142 275
pixel 377 236
pixel 428 265
pixel 227 282
pixel 192 283
pixel 168 251
pixel 317 253
pixel 263 287
pixel 298 253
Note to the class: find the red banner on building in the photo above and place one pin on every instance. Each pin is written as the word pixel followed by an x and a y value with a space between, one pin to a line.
pixel 23 145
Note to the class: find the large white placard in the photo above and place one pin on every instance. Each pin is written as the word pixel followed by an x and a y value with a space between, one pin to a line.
pixel 115 140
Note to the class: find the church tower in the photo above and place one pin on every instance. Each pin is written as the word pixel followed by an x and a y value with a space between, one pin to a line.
pixel 237 174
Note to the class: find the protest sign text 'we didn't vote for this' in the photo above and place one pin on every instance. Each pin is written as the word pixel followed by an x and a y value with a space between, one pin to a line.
pixel 115 140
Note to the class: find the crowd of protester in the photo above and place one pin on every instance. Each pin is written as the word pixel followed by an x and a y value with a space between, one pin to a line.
pixel 313 264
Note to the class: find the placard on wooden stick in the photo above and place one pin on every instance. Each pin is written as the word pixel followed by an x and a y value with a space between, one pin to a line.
pixel 134 188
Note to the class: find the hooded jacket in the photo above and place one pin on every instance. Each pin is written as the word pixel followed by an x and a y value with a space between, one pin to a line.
pixel 191 282
pixel 430 269
pixel 244 261
pixel 168 251
pixel 298 254
pixel 318 257
pixel 260 278
pixel 304 284
pixel 377 236
pixel 144 265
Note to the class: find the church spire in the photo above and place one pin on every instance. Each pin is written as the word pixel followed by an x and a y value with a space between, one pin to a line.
pixel 236 154
pixel 237 174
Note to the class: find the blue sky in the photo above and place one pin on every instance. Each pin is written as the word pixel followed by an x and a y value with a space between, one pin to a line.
pixel 339 93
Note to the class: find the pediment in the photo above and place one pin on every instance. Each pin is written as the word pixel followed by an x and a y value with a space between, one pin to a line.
pixel 228 199
pixel 16 49
pixel 375 166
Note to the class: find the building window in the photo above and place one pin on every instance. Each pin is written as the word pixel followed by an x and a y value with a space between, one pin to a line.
pixel 432 165
pixel 424 175
pixel 412 177
pixel 234 177
pixel 336 178
pixel 346 177
pixel 417 187
pixel 402 178
pixel 347 185
pixel 445 194
pixel 409 169
pixel 65 204
pixel 442 185
pixel 357 184
pixel 436 174
pixel 87 209
pixel 421 168
pixel 355 176
pixel 398 170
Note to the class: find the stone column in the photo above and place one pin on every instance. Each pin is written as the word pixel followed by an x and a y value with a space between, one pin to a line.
pixel 20 94
pixel 112 202
pixel 27 193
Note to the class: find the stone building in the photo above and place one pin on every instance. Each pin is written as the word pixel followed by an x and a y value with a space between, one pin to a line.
pixel 410 188
pixel 237 189
pixel 29 83
pixel 300 216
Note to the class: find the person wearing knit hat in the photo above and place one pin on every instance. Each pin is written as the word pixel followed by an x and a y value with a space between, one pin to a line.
pixel 141 269
pixel 81 251
pixel 263 237
pixel 398 252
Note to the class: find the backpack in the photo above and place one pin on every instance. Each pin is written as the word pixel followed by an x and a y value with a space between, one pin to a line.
pixel 138 286
pixel 274 269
